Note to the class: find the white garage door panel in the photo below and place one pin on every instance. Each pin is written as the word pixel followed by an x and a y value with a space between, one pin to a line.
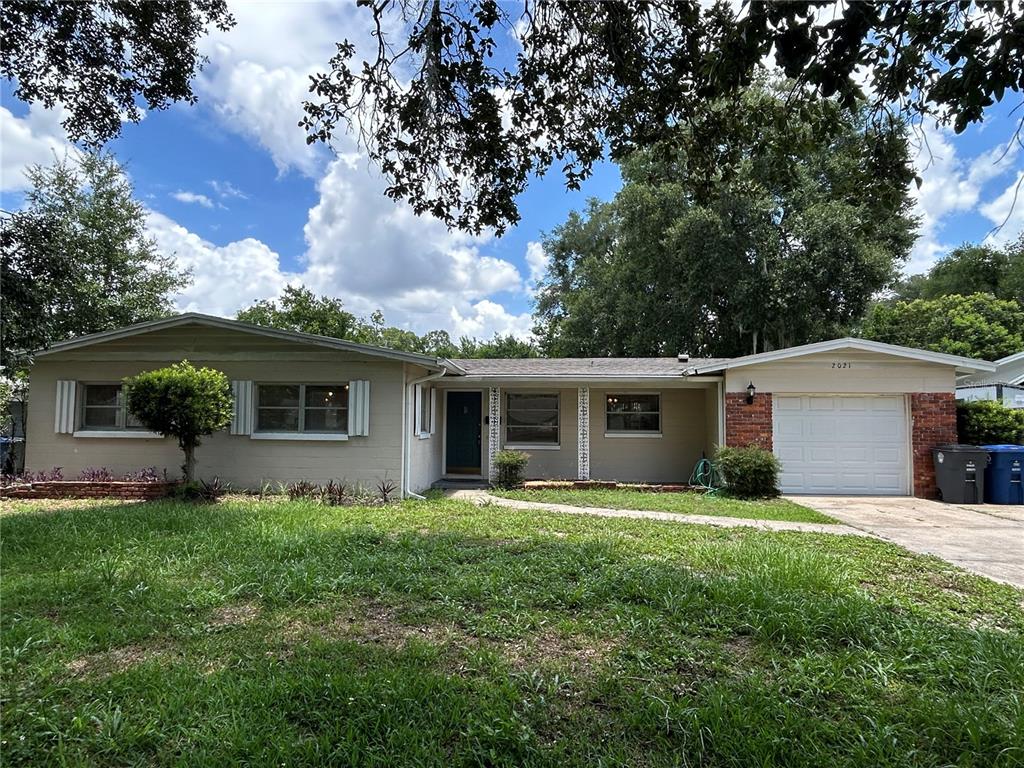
pixel 842 445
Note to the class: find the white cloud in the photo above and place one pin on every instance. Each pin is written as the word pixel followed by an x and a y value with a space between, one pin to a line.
pixel 360 246
pixel 1006 212
pixel 192 198
pixel 34 139
pixel 537 260
pixel 487 318
pixel 225 189
pixel 377 253
pixel 258 74
pixel 950 184
pixel 225 278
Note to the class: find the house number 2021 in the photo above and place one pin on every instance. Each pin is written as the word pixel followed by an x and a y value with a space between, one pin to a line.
pixel 842 365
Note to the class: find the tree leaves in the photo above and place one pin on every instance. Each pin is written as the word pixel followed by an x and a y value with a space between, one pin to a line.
pixel 76 259
pixel 102 60
pixel 459 123
pixel 978 325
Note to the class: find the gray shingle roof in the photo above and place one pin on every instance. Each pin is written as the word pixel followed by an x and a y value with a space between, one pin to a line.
pixel 579 366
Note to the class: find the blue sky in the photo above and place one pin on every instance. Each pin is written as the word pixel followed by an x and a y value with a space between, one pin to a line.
pixel 236 195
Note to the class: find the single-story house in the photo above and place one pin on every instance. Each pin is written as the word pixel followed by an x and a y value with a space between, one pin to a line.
pixel 1005 384
pixel 847 416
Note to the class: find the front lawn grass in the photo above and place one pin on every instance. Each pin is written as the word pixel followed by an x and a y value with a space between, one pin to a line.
pixel 440 633
pixel 679 503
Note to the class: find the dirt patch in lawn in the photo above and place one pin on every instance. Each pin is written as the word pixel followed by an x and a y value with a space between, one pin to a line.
pixel 115 660
pixel 366 623
pixel 372 623
pixel 234 615
pixel 551 646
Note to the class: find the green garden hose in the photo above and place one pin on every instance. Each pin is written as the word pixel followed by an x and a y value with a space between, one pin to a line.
pixel 705 475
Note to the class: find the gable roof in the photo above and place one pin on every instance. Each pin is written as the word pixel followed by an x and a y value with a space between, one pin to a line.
pixel 562 367
pixel 965 364
pixel 1006 362
pixel 1009 370
pixel 211 321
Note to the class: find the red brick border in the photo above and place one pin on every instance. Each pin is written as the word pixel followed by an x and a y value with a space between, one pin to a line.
pixel 748 423
pixel 84 489
pixel 933 423
pixel 587 485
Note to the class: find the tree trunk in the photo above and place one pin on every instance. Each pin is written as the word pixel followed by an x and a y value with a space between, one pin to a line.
pixel 190 463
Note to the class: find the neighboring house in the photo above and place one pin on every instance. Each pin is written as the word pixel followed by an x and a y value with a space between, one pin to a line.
pixel 1005 384
pixel 845 417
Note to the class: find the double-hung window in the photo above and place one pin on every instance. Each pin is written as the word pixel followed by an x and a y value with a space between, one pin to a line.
pixel 531 419
pixel 105 407
pixel 631 413
pixel 312 408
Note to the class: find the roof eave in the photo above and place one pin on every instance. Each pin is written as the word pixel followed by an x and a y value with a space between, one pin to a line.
pixel 961 364
pixel 222 322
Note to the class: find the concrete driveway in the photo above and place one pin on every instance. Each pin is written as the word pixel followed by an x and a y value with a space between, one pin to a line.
pixel 985 538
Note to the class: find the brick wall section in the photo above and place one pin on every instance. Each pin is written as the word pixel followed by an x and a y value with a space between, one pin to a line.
pixel 748 424
pixel 81 489
pixel 933 423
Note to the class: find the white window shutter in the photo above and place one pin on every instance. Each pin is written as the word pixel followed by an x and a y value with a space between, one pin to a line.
pixel 417 397
pixel 64 418
pixel 359 408
pixel 433 410
pixel 241 420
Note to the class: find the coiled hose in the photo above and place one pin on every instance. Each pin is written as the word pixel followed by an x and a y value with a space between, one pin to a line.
pixel 705 475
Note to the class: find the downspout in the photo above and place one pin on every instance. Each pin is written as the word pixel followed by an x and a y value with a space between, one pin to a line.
pixel 407 425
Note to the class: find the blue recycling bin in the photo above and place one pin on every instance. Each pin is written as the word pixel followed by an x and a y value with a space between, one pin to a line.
pixel 1003 476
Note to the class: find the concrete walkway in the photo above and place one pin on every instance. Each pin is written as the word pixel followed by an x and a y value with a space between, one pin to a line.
pixel 483 497
pixel 985 538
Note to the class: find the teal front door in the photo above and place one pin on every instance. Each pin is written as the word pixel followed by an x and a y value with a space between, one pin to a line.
pixel 462 430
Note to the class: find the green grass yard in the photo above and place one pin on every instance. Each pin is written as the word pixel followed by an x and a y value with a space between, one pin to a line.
pixel 680 503
pixel 439 633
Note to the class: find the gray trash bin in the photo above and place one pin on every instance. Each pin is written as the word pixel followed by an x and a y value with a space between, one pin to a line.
pixel 960 473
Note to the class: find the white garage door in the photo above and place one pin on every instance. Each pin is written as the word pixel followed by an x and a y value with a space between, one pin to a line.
pixel 842 445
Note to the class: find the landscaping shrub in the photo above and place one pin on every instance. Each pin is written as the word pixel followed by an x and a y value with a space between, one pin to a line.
pixel 146 475
pixel 203 490
pixel 749 473
pixel 336 493
pixel 183 402
pixel 303 489
pixel 385 488
pixel 987 422
pixel 96 475
pixel 511 467
pixel 27 476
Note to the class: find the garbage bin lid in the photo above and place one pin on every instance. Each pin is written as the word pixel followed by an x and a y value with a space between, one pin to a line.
pixel 1004 448
pixel 959 447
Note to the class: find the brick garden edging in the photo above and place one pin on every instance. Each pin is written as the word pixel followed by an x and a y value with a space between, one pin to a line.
pixel 131 490
pixel 611 485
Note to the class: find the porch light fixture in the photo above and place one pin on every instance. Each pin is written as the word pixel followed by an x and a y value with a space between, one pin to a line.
pixel 751 391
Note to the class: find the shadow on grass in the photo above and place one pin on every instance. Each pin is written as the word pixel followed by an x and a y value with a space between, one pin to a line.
pixel 728 647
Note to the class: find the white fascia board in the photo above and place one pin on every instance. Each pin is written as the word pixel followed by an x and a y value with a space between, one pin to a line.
pixel 964 364
pixel 665 382
pixel 1010 359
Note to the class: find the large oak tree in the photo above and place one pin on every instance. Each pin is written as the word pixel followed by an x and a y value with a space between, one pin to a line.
pixel 786 250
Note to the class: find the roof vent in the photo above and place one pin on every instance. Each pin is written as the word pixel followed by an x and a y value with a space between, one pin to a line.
pixel 683 357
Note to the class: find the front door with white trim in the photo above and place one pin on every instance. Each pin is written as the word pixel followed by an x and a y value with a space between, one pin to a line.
pixel 463 433
pixel 856 445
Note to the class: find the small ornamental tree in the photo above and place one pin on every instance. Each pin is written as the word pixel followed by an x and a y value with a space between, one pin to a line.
pixel 183 402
